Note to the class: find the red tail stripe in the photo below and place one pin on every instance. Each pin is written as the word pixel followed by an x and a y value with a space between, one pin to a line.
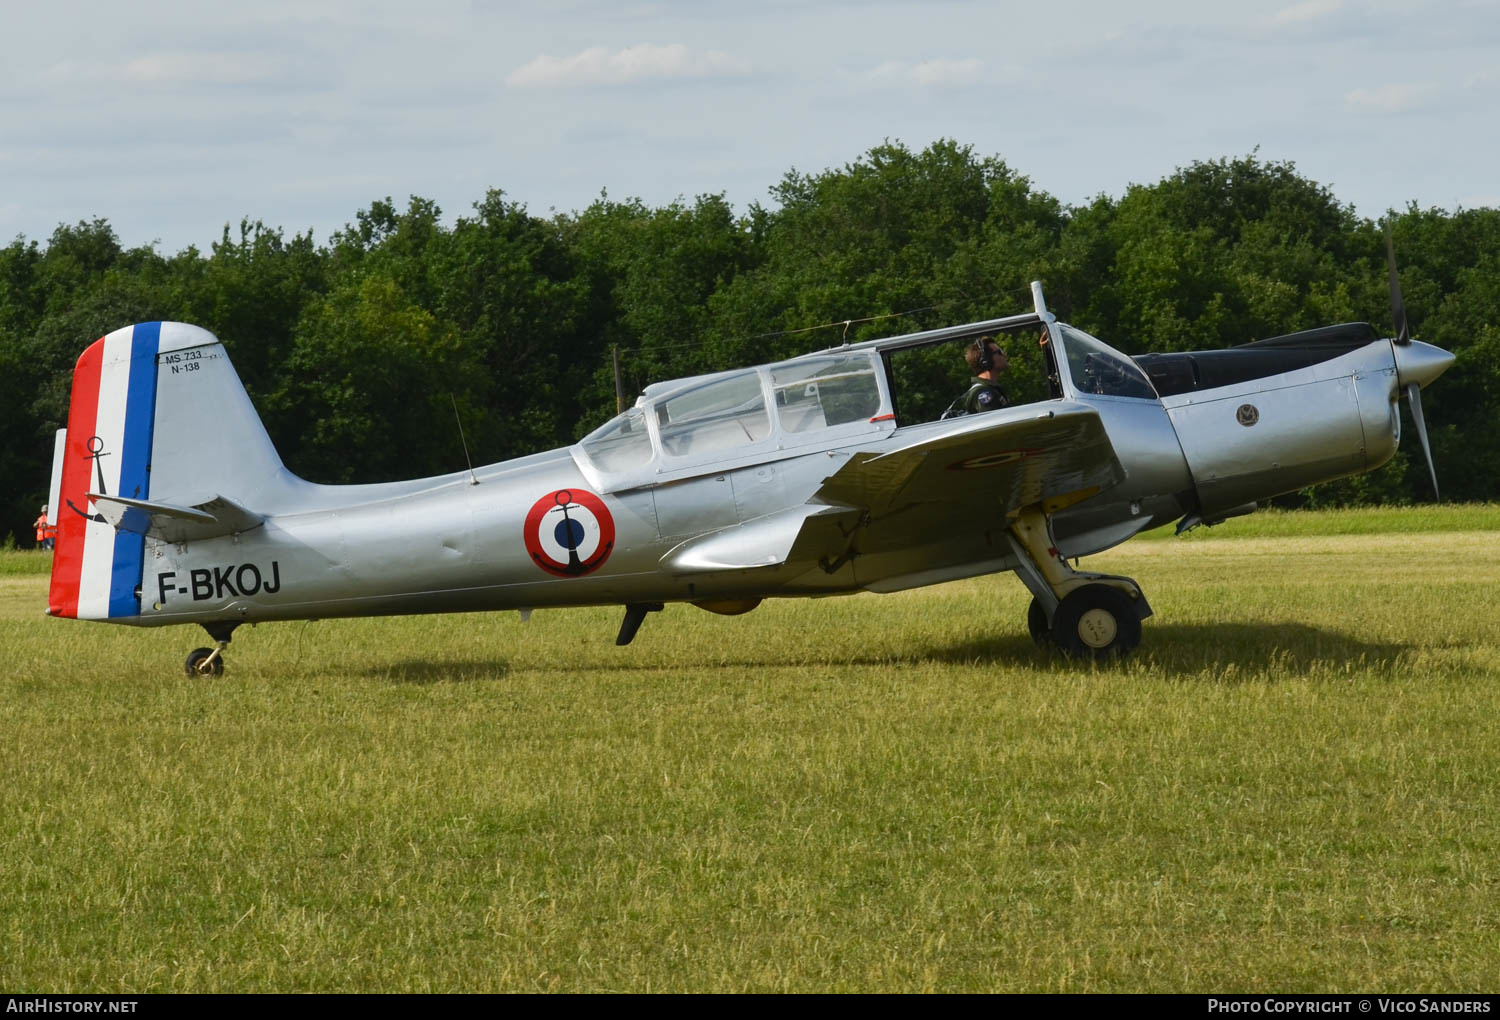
pixel 83 410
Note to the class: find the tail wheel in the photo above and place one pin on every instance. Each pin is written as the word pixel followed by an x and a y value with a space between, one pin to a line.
pixel 1096 622
pixel 203 662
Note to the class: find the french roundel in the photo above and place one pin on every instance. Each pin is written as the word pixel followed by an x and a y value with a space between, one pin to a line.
pixel 569 532
pixel 991 460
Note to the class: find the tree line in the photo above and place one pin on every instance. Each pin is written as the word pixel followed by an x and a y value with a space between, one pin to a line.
pixel 357 351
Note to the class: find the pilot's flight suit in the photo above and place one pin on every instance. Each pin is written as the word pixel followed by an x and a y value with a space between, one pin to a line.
pixel 984 396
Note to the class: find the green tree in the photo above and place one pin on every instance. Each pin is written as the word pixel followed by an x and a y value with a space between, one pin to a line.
pixel 650 275
pixel 908 240
pixel 1217 254
pixel 508 285
pixel 251 292
pixel 369 376
pixel 893 232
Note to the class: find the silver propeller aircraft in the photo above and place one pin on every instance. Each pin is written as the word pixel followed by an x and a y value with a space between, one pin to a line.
pixel 803 477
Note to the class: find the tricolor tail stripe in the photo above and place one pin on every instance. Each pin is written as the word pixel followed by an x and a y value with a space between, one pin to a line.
pixel 96 570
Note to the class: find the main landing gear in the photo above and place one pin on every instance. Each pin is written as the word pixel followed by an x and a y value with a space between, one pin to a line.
pixel 1085 615
pixel 210 661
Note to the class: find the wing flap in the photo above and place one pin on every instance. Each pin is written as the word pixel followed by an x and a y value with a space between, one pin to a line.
pixel 799 534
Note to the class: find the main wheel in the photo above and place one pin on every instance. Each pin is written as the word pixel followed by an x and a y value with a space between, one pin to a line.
pixel 1096 622
pixel 1036 622
pixel 196 663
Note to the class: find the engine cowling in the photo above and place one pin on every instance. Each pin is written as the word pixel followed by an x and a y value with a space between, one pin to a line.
pixel 1261 437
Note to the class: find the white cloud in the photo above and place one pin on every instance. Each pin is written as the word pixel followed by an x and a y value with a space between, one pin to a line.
pixel 1395 98
pixel 941 73
pixel 646 62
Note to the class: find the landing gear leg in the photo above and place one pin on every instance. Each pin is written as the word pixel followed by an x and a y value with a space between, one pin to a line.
pixel 1084 614
pixel 210 661
pixel 635 612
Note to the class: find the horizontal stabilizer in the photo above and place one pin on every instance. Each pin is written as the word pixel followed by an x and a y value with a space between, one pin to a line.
pixel 171 523
pixel 767 541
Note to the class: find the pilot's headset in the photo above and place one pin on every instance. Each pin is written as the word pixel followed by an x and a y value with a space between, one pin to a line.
pixel 986 359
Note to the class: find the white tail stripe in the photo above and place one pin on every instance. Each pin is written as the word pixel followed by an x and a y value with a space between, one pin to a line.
pixel 109 427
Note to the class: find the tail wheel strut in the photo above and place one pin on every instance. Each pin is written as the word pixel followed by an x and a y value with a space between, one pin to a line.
pixel 210 661
pixel 206 661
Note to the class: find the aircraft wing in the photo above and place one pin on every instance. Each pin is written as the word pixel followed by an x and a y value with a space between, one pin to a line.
pixel 981 465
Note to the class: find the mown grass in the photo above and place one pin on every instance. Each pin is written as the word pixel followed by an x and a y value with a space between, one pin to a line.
pixel 1291 787
pixel 24 562
pixel 1374 520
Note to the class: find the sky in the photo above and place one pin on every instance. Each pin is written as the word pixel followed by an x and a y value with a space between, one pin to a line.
pixel 172 119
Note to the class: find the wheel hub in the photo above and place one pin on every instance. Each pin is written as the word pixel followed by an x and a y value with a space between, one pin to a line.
pixel 1097 628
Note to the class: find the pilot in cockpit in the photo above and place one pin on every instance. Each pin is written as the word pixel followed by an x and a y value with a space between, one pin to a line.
pixel 987 360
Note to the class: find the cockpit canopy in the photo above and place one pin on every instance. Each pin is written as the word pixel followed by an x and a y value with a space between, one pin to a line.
pixel 730 419
pixel 737 415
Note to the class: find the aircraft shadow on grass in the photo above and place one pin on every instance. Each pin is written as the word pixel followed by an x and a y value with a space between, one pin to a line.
pixel 1190 649
pixel 423 672
pixel 1179 650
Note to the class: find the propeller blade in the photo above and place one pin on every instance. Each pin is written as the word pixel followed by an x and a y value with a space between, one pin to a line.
pixel 1414 397
pixel 1398 306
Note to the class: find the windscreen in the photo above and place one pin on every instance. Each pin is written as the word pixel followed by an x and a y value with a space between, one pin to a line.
pixel 1098 368
pixel 621 443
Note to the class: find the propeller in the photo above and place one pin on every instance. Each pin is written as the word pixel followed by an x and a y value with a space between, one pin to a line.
pixel 1416 364
pixel 1414 398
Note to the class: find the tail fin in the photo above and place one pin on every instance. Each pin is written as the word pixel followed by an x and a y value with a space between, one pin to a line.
pixel 158 413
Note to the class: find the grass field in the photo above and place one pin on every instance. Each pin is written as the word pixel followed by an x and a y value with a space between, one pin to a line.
pixel 1294 785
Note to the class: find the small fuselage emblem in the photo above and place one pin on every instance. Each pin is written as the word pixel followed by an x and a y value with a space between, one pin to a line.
pixel 1247 415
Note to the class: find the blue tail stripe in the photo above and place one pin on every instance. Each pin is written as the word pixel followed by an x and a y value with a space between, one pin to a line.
pixel 135 458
